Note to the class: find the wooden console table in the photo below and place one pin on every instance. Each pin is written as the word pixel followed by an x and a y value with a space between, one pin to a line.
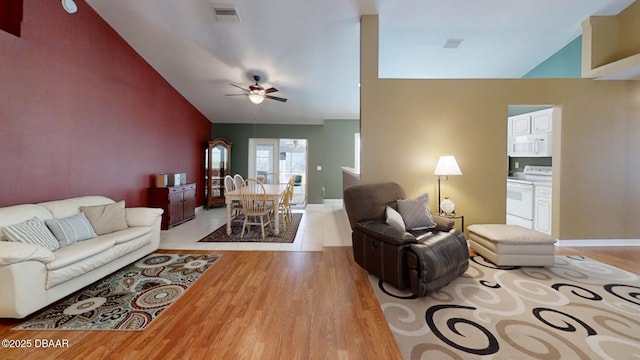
pixel 178 203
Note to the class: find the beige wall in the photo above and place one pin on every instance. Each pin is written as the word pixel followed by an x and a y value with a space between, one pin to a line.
pixel 407 124
pixel 629 36
pixel 611 43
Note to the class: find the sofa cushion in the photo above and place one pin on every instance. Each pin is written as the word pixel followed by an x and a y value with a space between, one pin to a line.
pixel 415 213
pixel 134 244
pixel 102 258
pixel 106 218
pixel 32 231
pixel 129 234
pixel 72 271
pixel 71 229
pixel 79 251
pixel 14 252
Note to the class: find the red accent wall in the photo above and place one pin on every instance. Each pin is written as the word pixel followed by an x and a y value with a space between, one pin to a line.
pixel 81 113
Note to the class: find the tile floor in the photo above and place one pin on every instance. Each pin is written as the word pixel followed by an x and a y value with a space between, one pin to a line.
pixel 321 225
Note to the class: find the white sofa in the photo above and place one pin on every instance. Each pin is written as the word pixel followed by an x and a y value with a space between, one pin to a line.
pixel 32 276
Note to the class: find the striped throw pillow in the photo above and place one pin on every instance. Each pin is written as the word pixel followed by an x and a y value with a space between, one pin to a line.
pixel 32 231
pixel 71 229
pixel 416 214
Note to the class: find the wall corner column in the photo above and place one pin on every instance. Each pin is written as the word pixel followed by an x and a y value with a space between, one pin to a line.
pixel 368 78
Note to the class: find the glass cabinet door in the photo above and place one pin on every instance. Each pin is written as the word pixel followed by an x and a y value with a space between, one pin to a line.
pixel 217 166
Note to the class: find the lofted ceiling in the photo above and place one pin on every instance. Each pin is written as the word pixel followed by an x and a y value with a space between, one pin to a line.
pixel 309 49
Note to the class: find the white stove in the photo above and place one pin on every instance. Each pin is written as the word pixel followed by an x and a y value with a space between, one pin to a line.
pixel 532 174
pixel 520 194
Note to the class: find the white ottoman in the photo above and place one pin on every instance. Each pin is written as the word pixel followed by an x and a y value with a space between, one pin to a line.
pixel 512 245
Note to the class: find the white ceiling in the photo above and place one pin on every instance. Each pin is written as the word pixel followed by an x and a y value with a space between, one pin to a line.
pixel 309 49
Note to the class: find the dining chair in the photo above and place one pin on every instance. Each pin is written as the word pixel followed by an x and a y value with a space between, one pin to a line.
pixel 284 207
pixel 270 178
pixel 238 180
pixel 229 185
pixel 257 210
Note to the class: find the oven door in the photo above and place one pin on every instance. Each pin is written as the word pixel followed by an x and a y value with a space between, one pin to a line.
pixel 520 200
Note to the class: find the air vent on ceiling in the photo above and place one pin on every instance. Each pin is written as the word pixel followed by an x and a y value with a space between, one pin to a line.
pixel 452 43
pixel 226 13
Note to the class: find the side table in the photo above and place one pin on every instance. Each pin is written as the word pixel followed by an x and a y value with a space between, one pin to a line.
pixel 454 217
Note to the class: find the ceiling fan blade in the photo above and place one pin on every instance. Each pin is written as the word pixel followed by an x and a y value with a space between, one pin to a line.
pixel 241 88
pixel 236 94
pixel 275 98
pixel 270 90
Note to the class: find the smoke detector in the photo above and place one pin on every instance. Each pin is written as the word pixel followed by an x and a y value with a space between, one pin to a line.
pixel 226 13
pixel 452 43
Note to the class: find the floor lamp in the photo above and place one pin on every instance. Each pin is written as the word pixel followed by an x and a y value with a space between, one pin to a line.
pixel 446 166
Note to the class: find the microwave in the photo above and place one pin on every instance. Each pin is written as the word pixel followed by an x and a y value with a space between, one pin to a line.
pixel 531 145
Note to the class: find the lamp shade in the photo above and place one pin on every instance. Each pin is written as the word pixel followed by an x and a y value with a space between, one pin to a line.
pixel 446 166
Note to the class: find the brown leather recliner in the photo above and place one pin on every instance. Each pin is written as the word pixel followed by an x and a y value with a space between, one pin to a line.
pixel 422 260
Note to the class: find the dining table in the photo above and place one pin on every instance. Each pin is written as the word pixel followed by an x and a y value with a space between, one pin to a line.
pixel 273 193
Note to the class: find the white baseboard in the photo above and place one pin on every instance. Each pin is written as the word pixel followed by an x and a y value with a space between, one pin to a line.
pixel 598 242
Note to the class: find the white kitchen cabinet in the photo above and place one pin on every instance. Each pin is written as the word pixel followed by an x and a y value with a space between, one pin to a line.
pixel 530 134
pixel 531 123
pixel 520 125
pixel 542 121
pixel 542 209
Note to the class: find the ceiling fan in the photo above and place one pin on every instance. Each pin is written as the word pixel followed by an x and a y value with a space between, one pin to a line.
pixel 257 93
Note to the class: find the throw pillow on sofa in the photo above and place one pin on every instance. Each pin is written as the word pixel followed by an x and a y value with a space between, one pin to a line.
pixel 32 231
pixel 71 229
pixel 415 213
pixel 107 218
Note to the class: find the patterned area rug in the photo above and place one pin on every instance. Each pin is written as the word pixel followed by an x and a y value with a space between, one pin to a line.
pixel 129 299
pixel 577 309
pixel 287 233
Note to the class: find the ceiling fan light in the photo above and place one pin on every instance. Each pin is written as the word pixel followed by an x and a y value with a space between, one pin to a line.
pixel 256 97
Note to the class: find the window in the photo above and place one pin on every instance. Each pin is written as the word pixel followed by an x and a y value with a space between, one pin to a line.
pixel 264 160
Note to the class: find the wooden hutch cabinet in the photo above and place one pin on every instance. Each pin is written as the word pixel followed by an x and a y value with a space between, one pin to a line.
pixel 178 203
pixel 217 164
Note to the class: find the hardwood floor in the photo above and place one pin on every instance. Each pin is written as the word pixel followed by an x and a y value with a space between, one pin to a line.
pixel 262 305
pixel 626 258
pixel 250 305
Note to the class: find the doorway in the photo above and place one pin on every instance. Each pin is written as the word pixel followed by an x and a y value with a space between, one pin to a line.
pixel 277 160
pixel 533 141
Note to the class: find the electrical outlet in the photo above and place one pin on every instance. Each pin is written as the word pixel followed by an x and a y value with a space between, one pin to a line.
pixel 517 165
pixel 319 168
